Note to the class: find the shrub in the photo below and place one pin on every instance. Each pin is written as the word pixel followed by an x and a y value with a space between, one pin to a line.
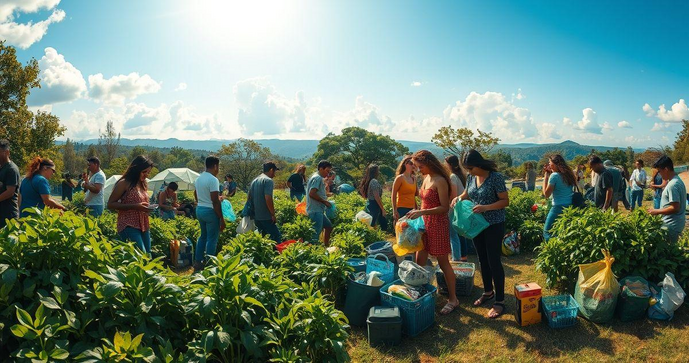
pixel 350 245
pixel 360 230
pixel 530 235
pixel 162 233
pixel 260 250
pixel 519 209
pixel 76 205
pixel 185 228
pixel 107 223
pixel 348 205
pixel 300 229
pixel 285 209
pixel 649 194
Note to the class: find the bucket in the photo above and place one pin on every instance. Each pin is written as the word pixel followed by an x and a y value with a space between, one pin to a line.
pixel 360 299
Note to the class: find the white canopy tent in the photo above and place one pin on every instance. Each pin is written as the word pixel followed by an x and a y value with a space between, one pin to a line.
pixel 110 186
pixel 185 179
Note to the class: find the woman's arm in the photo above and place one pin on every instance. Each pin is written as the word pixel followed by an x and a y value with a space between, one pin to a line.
pixel 502 203
pixel 395 188
pixel 52 203
pixel 114 200
pixel 547 187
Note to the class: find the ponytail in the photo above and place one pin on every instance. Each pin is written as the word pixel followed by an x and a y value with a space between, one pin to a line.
pixel 33 167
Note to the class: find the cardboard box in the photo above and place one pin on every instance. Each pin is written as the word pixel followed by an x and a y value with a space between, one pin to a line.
pixel 528 297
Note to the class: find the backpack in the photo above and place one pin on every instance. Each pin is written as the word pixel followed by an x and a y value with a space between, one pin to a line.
pixel 578 200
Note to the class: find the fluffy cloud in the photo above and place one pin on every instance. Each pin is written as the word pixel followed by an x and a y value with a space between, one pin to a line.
pixel 661 126
pixel 60 81
pixel 23 35
pixel 519 95
pixel 365 115
pixel 648 110
pixel 416 84
pixel 606 126
pixel 624 125
pixel 181 87
pixel 118 89
pixel 676 113
pixel 588 123
pixel 548 131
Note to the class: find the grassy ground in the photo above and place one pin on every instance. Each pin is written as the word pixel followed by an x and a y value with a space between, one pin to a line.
pixel 466 335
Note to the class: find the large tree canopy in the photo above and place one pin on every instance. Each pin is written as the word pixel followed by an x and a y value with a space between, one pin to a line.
pixel 244 160
pixel 356 148
pixel 458 141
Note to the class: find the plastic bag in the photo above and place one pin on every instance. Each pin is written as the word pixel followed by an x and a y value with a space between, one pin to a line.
pixel 301 208
pixel 635 294
pixel 466 222
pixel 510 244
pixel 346 188
pixel 228 211
pixel 409 233
pixel 364 218
pixel 331 212
pixel 246 225
pixel 671 296
pixel 412 274
pixel 597 290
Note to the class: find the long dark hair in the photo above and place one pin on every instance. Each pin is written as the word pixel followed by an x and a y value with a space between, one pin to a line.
pixel 371 173
pixel 427 158
pixel 474 159
pixel 456 169
pixel 133 173
pixel 564 169
pixel 36 165
pixel 403 165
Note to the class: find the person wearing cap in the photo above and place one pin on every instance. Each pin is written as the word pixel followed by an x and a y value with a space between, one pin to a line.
pixel 317 202
pixel 34 190
pixel 618 183
pixel 94 198
pixel 261 199
pixel 673 202
pixel 603 187
pixel 9 182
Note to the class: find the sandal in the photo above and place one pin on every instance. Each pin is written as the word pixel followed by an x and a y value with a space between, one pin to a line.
pixel 448 308
pixel 485 297
pixel 501 305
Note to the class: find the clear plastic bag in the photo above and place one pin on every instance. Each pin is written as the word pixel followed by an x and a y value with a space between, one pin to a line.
pixel 412 274
pixel 364 218
pixel 409 236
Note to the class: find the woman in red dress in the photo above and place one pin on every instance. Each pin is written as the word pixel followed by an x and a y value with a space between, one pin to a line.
pixel 435 203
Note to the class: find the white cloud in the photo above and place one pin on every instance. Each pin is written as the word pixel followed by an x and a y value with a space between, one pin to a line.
pixel 678 112
pixel 118 89
pixel 60 81
pixel 365 115
pixel 606 126
pixel 589 122
pixel 416 84
pixel 181 87
pixel 519 95
pixel 661 126
pixel 548 131
pixel 23 35
pixel 648 110
pixel 624 125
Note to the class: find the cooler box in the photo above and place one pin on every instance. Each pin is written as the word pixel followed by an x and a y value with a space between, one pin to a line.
pixel 528 309
pixel 464 278
pixel 384 326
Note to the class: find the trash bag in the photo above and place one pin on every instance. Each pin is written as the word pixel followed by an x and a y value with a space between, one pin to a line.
pixel 364 218
pixel 412 274
pixel 466 222
pixel 635 294
pixel 301 208
pixel 246 225
pixel 331 212
pixel 227 211
pixel 408 233
pixel 597 290
pixel 510 244
pixel 671 295
pixel 346 188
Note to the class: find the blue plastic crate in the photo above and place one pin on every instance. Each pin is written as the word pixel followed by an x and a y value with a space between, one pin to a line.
pixel 561 310
pixel 417 315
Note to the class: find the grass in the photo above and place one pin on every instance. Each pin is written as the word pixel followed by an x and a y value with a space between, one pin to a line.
pixel 466 335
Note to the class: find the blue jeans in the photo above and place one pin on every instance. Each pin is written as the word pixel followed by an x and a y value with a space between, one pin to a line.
pixel 210 232
pixel 269 228
pixel 296 195
pixel 142 239
pixel 401 211
pixel 656 202
pixel 374 210
pixel 95 210
pixel 167 214
pixel 637 197
pixel 320 221
pixel 554 212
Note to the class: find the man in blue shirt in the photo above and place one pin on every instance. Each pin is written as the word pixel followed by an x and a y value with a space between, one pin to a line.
pixel 317 202
pixel 673 202
pixel 261 199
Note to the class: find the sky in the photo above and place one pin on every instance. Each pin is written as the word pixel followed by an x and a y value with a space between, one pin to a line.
pixel 596 72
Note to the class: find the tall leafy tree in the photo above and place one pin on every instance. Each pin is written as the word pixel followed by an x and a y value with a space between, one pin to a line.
pixel 244 160
pixel 681 151
pixel 109 144
pixel 136 151
pixel 30 134
pixel 356 148
pixel 458 141
pixel 71 163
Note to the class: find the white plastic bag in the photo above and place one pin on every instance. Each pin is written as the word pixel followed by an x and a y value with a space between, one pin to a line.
pixel 672 296
pixel 246 225
pixel 412 274
pixel 364 218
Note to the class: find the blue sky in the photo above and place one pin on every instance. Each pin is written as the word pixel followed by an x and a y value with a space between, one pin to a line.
pixel 601 73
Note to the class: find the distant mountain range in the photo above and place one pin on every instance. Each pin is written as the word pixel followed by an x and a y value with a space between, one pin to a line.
pixel 303 149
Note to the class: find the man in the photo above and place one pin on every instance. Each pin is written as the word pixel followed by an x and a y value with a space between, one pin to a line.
pixel 638 181
pixel 317 202
pixel 261 199
pixel 67 187
pixel 229 186
pixel 530 177
pixel 208 211
pixel 94 199
pixel 618 183
pixel 673 201
pixel 9 185
pixel 603 188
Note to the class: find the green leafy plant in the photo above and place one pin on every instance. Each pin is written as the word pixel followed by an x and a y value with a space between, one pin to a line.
pixel 300 229
pixel 123 348
pixel 530 235
pixel 41 334
pixel 350 245
pixel 520 208
pixel 360 230
pixel 259 249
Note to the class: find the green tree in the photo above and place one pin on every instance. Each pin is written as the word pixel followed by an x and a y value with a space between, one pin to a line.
pixel 616 155
pixel 69 158
pixel 178 158
pixel 158 159
pixel 681 146
pixel 353 150
pixel 109 144
pixel 458 141
pixel 630 157
pixel 244 160
pixel 502 158
pixel 136 151
pixel 117 166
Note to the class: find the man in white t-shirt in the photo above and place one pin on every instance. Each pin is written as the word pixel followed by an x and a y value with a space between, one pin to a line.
pixel 638 181
pixel 94 199
pixel 208 211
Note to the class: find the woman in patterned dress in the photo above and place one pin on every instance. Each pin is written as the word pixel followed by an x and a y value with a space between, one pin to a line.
pixel 130 199
pixel 486 188
pixel 435 203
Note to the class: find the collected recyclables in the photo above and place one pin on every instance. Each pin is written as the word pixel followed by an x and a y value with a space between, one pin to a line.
pixel 331 212
pixel 561 311
pixel 408 236
pixel 384 326
pixel 464 278
pixel 227 211
pixel 381 247
pixel 364 218
pixel 412 274
pixel 467 223
pixel 417 315
pixel 597 290
pixel 669 299
pixel 635 295
pixel 360 298
pixel 510 244
pixel 358 264
pixel 382 264
pixel 528 310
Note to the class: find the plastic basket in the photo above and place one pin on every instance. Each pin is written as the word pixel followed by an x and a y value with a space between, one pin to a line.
pixel 383 247
pixel 382 265
pixel 464 282
pixel 417 315
pixel 561 310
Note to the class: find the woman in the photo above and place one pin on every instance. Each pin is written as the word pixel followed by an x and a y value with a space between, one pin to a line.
pixel 658 185
pixel 558 182
pixel 130 199
pixel 371 189
pixel 404 189
pixel 457 182
pixel 296 183
pixel 486 188
pixel 34 190
pixel 581 178
pixel 435 204
pixel 167 202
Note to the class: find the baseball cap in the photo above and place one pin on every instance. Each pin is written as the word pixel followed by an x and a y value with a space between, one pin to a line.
pixel 94 160
pixel 270 165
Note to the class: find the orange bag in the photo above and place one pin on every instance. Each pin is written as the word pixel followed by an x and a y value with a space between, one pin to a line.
pixel 174 252
pixel 301 208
